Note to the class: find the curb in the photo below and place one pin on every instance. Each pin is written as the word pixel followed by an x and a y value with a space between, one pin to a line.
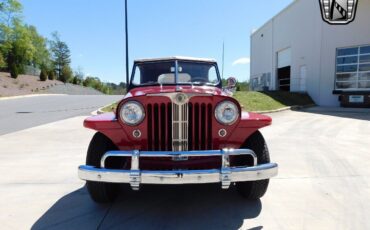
pixel 29 95
pixel 99 111
pixel 292 108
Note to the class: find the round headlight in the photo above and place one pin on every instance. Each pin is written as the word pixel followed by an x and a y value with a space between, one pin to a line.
pixel 132 113
pixel 227 112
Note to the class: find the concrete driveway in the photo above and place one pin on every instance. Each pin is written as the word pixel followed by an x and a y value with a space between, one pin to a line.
pixel 323 183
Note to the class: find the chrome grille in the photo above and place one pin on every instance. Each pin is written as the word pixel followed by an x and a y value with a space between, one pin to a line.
pixel 159 127
pixel 180 127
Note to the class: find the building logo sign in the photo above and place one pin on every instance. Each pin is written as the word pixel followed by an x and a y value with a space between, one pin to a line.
pixel 338 12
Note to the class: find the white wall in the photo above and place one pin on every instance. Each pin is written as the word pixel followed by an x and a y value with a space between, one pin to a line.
pixel 313 44
pixel 261 52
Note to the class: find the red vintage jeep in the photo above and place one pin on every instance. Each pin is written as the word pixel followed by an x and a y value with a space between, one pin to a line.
pixel 176 125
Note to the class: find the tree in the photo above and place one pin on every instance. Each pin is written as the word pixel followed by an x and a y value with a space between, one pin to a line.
pixel 77 80
pixel 10 14
pixel 61 54
pixel 41 56
pixel 79 77
pixel 2 61
pixel 20 44
pixel 14 71
pixel 10 11
pixel 95 83
pixel 19 48
pixel 92 82
pixel 51 74
pixel 242 86
pixel 43 75
pixel 66 74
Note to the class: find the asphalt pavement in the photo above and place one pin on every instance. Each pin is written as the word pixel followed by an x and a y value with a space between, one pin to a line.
pixel 27 112
pixel 323 182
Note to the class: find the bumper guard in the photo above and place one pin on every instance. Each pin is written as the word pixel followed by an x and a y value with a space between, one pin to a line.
pixel 226 175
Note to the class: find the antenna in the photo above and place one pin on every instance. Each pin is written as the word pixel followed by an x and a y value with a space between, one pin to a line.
pixel 126 32
pixel 223 58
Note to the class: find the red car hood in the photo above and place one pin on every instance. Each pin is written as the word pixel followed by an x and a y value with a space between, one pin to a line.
pixel 141 91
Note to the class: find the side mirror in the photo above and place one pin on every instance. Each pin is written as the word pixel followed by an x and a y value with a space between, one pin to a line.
pixel 230 88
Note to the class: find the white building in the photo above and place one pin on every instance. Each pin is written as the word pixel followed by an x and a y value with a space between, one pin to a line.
pixel 297 51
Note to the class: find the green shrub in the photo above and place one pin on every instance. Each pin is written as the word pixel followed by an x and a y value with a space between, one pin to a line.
pixel 51 75
pixel 43 75
pixel 2 61
pixel 66 74
pixel 77 80
pixel 14 71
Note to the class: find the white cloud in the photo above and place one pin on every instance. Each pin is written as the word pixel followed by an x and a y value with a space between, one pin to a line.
pixel 242 61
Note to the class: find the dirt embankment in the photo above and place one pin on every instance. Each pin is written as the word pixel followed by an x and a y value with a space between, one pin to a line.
pixel 23 85
pixel 28 84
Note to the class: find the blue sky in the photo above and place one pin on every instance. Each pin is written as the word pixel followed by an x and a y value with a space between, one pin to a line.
pixel 94 30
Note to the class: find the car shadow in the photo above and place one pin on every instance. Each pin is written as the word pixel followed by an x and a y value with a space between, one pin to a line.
pixel 154 207
pixel 351 113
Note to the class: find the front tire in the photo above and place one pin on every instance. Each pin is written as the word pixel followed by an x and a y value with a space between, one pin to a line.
pixel 100 192
pixel 254 190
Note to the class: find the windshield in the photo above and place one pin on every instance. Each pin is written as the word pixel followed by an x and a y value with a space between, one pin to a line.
pixel 175 72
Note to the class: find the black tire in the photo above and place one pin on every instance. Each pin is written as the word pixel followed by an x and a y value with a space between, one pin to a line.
pixel 100 192
pixel 254 190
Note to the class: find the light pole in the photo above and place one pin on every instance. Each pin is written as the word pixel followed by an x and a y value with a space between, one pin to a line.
pixel 223 58
pixel 126 32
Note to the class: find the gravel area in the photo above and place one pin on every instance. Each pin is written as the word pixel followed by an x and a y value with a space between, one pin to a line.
pixel 71 89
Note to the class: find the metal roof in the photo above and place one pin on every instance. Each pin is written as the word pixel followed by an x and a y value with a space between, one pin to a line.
pixel 180 58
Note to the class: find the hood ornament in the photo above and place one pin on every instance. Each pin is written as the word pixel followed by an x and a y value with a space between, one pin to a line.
pixel 181 98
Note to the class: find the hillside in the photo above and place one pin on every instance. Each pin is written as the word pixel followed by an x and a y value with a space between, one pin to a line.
pixel 71 89
pixel 23 85
pixel 28 84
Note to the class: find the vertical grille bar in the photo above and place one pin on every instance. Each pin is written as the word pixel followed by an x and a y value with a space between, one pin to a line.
pixel 209 126
pixel 150 127
pixel 175 128
pixel 186 124
pixel 163 120
pixel 203 127
pixel 169 127
pixel 190 127
pixel 159 125
pixel 156 127
pixel 196 127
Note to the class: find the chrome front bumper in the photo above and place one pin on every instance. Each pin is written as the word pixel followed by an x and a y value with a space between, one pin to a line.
pixel 225 175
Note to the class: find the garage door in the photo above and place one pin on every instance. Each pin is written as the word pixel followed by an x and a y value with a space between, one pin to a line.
pixel 283 70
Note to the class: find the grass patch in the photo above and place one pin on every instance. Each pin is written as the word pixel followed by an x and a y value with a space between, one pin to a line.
pixel 271 100
pixel 259 101
pixel 110 108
